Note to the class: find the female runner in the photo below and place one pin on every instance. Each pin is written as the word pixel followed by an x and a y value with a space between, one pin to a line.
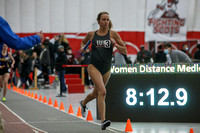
pixel 4 69
pixel 103 41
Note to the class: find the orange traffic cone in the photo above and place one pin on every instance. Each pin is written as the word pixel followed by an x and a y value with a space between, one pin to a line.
pixel 29 94
pixel 89 116
pixel 55 104
pixel 36 96
pixel 45 99
pixel 14 88
pixel 128 126
pixel 32 95
pixel 40 98
pixel 79 112
pixel 22 92
pixel 20 89
pixel 25 93
pixel 191 130
pixel 17 89
pixel 70 111
pixel 50 101
pixel 62 106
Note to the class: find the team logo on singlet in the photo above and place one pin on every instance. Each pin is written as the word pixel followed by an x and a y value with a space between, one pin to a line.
pixel 103 43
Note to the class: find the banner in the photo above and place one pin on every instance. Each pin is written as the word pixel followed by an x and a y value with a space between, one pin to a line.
pixel 156 68
pixel 166 20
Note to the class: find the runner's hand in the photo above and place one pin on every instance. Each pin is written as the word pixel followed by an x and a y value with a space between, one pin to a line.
pixel 40 35
pixel 82 50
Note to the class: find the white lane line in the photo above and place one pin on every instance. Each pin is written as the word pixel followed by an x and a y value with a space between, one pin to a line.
pixel 22 119
pixel 109 128
pixel 35 131
pixel 43 122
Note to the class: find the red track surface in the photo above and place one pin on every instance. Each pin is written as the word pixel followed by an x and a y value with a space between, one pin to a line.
pixel 13 124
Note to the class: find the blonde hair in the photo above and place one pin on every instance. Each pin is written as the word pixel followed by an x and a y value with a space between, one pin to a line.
pixel 63 39
pixel 99 17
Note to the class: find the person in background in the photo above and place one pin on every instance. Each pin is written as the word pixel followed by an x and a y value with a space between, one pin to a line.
pixel 13 41
pixel 19 68
pixel 26 69
pixel 184 48
pixel 4 69
pixel 160 56
pixel 119 58
pixel 176 56
pixel 35 64
pixel 64 42
pixel 143 56
pixel 45 63
pixel 52 51
pixel 127 59
pixel 35 61
pixel 56 44
pixel 103 41
pixel 197 53
pixel 70 56
pixel 86 61
pixel 61 60
pixel 71 61
pixel 37 49
pixel 86 57
pixel 16 57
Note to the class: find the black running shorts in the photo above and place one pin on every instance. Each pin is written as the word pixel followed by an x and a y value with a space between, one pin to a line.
pixel 3 71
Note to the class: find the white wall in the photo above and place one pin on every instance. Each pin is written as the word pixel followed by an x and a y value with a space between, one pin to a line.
pixel 80 15
pixel 193 15
pixel 12 14
pixel 2 7
pixel 27 23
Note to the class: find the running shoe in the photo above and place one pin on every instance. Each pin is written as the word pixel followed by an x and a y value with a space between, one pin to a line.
pixel 4 99
pixel 106 123
pixel 83 109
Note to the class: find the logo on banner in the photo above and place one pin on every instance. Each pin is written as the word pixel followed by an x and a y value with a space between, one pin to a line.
pixel 165 19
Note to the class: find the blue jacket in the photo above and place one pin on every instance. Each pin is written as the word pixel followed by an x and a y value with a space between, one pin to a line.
pixel 13 41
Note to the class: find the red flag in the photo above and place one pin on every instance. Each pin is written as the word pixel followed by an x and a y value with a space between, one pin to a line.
pixel 31 76
pixel 51 79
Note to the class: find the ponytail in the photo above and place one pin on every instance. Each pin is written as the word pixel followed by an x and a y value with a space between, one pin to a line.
pixel 110 24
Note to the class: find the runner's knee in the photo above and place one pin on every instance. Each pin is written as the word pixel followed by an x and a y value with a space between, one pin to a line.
pixel 102 92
